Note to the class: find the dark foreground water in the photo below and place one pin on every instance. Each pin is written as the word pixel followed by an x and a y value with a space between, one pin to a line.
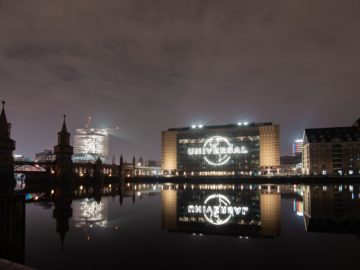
pixel 169 225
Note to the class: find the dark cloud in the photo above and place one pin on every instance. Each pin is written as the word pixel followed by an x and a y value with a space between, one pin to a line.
pixel 147 65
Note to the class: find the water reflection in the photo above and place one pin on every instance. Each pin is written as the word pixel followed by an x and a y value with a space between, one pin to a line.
pixel 332 209
pixel 62 209
pixel 243 210
pixel 12 225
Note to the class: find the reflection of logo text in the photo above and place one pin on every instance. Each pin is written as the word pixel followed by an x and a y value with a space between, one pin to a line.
pixel 217 150
pixel 217 209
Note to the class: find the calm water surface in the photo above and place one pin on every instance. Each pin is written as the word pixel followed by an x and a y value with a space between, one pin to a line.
pixel 156 225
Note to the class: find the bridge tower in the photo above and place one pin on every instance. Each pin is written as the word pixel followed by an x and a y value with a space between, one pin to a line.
pixel 63 153
pixel 98 168
pixel 7 146
pixel 121 166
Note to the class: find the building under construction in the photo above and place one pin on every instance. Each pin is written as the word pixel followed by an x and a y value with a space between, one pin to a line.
pixel 91 143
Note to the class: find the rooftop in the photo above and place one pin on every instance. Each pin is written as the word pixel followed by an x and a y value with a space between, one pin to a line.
pixel 314 135
pixel 239 125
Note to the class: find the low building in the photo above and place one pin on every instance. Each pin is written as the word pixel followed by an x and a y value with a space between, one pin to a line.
pixel 291 165
pixel 332 151
pixel 46 155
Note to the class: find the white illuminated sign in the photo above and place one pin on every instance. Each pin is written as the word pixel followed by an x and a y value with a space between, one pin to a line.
pixel 217 150
pixel 217 209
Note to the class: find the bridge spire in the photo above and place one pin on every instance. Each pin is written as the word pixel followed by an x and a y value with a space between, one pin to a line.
pixel 3 120
pixel 7 146
pixel 64 129
pixel 63 152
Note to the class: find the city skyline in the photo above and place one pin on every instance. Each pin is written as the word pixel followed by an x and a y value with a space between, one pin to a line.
pixel 147 66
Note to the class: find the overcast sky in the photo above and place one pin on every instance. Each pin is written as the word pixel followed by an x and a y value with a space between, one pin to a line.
pixel 148 65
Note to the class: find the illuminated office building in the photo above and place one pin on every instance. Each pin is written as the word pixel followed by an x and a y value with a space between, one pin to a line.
pixel 91 143
pixel 332 151
pixel 245 148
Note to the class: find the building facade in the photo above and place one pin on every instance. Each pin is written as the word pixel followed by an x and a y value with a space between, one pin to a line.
pixel 91 143
pixel 250 149
pixel 332 151
pixel 297 147
pixel 46 155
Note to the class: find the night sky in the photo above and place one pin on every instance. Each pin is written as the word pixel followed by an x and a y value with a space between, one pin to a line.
pixel 146 66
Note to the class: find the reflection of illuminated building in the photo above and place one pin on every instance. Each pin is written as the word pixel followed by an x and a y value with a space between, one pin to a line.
pixel 91 143
pixel 168 209
pixel 332 208
pixel 270 212
pixel 298 207
pixel 12 226
pixel 90 213
pixel 221 150
pixel 218 209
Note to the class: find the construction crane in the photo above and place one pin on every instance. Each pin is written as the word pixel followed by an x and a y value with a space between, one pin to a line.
pixel 88 122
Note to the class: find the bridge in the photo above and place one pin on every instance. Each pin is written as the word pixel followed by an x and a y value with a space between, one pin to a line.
pixel 62 168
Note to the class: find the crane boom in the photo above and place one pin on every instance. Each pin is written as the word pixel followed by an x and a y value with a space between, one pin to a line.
pixel 88 122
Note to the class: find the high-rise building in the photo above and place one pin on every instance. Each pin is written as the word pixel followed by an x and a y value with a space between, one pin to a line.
pixel 89 144
pixel 234 149
pixel 297 147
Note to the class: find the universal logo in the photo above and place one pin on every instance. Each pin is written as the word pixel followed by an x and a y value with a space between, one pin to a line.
pixel 217 209
pixel 217 150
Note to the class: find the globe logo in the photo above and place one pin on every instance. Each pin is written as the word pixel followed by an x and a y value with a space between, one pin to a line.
pixel 218 154
pixel 218 215
pixel 217 209
pixel 217 150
